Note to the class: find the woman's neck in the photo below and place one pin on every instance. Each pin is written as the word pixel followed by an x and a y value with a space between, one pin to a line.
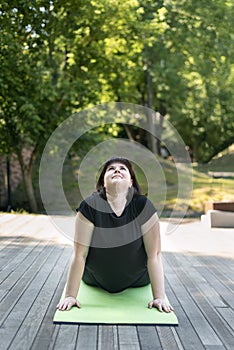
pixel 116 197
pixel 117 201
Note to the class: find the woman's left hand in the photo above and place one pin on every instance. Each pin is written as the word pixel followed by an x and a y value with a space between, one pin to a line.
pixel 161 305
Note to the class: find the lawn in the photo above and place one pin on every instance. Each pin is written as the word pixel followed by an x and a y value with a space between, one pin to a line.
pixel 205 187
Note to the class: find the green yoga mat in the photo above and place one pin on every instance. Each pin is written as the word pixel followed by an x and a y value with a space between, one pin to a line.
pixel 127 307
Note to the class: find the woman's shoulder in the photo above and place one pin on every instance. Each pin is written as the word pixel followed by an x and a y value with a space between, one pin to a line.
pixel 140 199
pixel 92 198
pixel 143 202
pixel 144 208
pixel 94 201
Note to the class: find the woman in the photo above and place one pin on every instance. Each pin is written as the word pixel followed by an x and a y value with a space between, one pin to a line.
pixel 117 239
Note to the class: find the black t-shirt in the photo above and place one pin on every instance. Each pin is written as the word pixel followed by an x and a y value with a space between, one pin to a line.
pixel 116 257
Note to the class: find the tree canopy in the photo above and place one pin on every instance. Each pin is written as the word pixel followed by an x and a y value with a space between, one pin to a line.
pixel 60 57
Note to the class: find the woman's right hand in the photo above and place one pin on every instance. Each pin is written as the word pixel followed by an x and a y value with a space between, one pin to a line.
pixel 67 303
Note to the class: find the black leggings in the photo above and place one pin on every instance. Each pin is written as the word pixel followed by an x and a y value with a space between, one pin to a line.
pixel 142 281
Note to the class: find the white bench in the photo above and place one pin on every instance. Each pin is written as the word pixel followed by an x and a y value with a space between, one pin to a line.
pixel 219 218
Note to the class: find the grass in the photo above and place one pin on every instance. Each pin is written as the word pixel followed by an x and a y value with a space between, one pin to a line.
pixel 205 187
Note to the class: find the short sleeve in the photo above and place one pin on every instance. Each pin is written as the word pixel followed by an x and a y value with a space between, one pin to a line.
pixel 145 209
pixel 86 208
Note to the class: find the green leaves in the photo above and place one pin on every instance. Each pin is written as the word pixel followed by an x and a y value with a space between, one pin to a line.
pixel 59 58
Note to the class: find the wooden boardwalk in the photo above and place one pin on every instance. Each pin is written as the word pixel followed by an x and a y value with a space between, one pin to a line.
pixel 199 272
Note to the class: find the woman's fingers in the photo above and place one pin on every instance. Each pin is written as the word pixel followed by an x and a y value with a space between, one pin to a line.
pixel 161 305
pixel 150 305
pixel 167 308
pixel 171 308
pixel 67 304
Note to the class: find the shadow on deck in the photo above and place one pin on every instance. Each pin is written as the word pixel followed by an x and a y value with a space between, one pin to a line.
pixel 33 273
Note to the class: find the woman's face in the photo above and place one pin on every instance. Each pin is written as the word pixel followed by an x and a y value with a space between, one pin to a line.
pixel 117 174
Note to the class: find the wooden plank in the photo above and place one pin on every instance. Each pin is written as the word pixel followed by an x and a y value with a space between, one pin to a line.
pixel 20 253
pixel 14 320
pixel 221 329
pixel 222 261
pixel 177 339
pixel 223 272
pixel 223 206
pixel 28 330
pixel 9 220
pixel 148 338
pixel 199 322
pixel 228 315
pixel 16 224
pixel 128 338
pixel 108 337
pixel 6 218
pixel 167 338
pixel 222 268
pixel 189 262
pixel 12 295
pixel 32 228
pixel 87 337
pixel 215 347
pixel 66 338
pixel 10 249
pixel 48 332
pixel 44 294
pixel 52 340
pixel 7 241
pixel 186 333
pixel 15 267
pixel 27 224
pixel 224 292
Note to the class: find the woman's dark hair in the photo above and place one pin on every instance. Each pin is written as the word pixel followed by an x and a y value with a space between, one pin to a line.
pixel 135 189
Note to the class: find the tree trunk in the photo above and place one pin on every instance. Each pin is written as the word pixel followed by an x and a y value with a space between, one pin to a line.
pixel 30 190
pixel 128 132
pixel 27 171
pixel 9 202
pixel 151 127
pixel 159 131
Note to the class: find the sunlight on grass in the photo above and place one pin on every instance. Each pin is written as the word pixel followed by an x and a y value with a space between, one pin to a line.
pixel 205 187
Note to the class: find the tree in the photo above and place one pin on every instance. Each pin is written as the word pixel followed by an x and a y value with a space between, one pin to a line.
pixel 58 58
pixel 181 66
pixel 31 77
pixel 200 36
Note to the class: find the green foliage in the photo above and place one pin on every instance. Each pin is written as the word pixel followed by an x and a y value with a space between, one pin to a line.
pixel 201 37
pixel 59 58
pixel 27 93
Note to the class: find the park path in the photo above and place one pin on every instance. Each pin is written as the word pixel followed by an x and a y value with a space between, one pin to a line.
pixel 198 264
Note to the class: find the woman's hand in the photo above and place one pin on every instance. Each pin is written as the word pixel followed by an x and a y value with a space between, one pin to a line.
pixel 161 305
pixel 67 303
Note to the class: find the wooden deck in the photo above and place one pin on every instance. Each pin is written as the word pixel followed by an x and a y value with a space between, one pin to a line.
pixel 199 272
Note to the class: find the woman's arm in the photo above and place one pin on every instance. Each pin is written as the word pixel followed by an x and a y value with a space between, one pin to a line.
pixel 152 243
pixel 83 235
